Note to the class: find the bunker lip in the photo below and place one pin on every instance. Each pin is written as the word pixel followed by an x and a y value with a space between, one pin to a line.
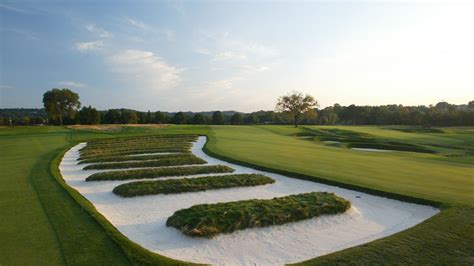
pixel 372 150
pixel 142 219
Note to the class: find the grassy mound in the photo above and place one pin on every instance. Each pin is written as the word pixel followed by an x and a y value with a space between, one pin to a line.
pixel 208 220
pixel 132 152
pixel 363 140
pixel 159 172
pixel 183 160
pixel 124 158
pixel 171 186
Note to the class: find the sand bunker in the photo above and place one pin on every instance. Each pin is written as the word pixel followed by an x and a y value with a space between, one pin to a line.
pixel 371 150
pixel 142 219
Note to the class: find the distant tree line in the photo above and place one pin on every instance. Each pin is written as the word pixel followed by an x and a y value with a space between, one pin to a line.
pixel 62 107
pixel 441 114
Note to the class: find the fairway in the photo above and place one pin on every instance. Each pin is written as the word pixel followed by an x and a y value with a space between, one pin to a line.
pixel 30 194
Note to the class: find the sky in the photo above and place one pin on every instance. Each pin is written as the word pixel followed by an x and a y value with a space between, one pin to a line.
pixel 236 55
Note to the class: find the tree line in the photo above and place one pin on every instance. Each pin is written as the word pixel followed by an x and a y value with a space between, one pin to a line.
pixel 294 108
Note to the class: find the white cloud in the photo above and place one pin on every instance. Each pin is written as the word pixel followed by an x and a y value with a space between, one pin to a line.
pixel 137 24
pixel 71 84
pixel 6 87
pixel 84 47
pixel 145 68
pixel 15 9
pixel 99 31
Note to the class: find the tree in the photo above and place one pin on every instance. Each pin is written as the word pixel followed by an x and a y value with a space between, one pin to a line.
pixel 251 119
pixel 112 117
pixel 236 119
pixel 179 118
pixel 148 119
pixel 200 119
pixel 89 116
pixel 129 117
pixel 296 104
pixel 217 118
pixel 161 118
pixel 61 103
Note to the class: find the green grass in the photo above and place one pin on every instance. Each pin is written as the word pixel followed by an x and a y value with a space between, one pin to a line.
pixel 172 186
pixel 442 238
pixel 132 152
pixel 159 172
pixel 41 223
pixel 208 220
pixel 123 158
pixel 406 173
pixel 172 161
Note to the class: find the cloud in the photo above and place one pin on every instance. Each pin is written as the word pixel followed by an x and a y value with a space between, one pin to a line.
pixel 84 47
pixel 99 31
pixel 5 87
pixel 145 68
pixel 137 24
pixel 71 84
pixel 15 9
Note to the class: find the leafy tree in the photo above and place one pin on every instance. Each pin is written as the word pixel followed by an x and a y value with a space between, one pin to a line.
pixel 61 103
pixel 148 118
pixel 251 119
pixel 89 116
pixel 200 119
pixel 236 119
pixel 470 105
pixel 179 118
pixel 161 118
pixel 296 104
pixel 217 118
pixel 129 117
pixel 112 117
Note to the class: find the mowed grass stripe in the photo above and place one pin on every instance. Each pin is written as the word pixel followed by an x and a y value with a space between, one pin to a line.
pixel 123 158
pixel 172 186
pixel 208 220
pixel 183 160
pixel 159 172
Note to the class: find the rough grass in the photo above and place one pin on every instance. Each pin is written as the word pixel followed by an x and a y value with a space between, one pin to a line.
pixel 159 172
pixel 173 161
pixel 124 158
pixel 132 152
pixel 171 186
pixel 208 220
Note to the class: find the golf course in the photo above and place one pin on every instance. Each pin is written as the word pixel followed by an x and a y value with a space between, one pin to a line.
pixel 45 220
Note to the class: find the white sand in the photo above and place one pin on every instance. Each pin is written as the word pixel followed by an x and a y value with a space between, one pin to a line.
pixel 331 141
pixel 371 150
pixel 142 219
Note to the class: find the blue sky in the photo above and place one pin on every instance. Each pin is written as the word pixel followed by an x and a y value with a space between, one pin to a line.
pixel 198 56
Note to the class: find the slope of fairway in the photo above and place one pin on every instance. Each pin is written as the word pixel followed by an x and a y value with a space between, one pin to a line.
pixel 399 172
pixel 40 223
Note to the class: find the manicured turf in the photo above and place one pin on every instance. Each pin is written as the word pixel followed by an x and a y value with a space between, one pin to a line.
pixel 426 176
pixel 159 172
pixel 41 224
pixel 173 161
pixel 208 220
pixel 171 186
